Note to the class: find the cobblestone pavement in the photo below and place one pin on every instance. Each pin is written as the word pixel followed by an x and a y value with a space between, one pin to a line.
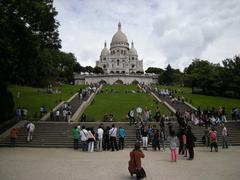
pixel 68 164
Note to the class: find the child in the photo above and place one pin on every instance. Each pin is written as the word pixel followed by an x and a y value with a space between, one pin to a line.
pixel 173 142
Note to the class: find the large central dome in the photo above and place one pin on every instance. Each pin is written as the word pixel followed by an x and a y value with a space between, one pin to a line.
pixel 119 37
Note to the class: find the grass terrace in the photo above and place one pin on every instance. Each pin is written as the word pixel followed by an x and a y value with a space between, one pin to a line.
pixel 34 98
pixel 118 100
pixel 205 101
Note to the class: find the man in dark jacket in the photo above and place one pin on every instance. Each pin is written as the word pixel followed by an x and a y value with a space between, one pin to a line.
pixel 190 142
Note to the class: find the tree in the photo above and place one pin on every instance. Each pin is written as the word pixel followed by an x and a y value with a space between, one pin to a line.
pixel 28 34
pixel 231 75
pixel 171 76
pixel 89 69
pixel 6 103
pixel 98 70
pixel 154 70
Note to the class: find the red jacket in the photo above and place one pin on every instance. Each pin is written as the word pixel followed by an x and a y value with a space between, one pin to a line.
pixel 13 133
pixel 135 160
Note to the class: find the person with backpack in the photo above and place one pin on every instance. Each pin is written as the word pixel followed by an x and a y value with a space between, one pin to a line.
pixel 213 140
pixel 113 138
pixel 84 138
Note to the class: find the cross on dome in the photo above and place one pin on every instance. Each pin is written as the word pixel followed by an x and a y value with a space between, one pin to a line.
pixel 119 26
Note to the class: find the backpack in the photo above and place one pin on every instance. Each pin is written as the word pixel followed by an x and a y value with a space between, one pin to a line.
pixel 213 136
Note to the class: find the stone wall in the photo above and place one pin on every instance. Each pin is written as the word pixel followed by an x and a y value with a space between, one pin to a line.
pixel 115 79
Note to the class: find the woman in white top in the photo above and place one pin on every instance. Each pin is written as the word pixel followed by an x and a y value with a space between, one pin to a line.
pixel 91 140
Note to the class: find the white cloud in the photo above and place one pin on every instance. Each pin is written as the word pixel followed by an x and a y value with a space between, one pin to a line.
pixel 165 32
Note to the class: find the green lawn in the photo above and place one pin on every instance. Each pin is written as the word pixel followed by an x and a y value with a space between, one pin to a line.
pixel 119 104
pixel 34 98
pixel 205 101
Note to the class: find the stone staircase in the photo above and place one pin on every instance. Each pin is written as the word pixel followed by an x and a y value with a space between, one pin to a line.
pixel 58 134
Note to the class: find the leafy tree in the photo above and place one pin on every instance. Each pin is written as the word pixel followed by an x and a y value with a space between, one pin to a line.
pixel 154 70
pixel 231 75
pixel 89 69
pixel 6 103
pixel 28 34
pixel 98 70
pixel 171 76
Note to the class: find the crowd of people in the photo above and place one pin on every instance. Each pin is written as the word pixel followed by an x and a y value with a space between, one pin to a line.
pixel 100 139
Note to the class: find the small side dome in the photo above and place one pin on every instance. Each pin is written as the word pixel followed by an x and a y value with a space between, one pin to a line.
pixel 133 51
pixel 105 51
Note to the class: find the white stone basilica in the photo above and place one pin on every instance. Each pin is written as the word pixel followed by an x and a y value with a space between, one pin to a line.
pixel 120 64
pixel 120 59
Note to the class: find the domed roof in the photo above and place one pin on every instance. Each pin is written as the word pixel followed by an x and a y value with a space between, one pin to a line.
pixel 119 36
pixel 105 51
pixel 133 51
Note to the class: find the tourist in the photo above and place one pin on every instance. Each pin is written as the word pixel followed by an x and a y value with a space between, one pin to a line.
pixel 131 117
pixel 13 137
pixel 91 140
pixel 173 143
pixel 162 138
pixel 106 142
pixel 30 129
pixel 156 139
pixel 146 115
pixel 75 135
pixel 69 113
pixel 190 138
pixel 99 138
pixel 113 137
pixel 58 115
pixel 224 137
pixel 18 113
pixel 84 138
pixel 145 138
pixel 213 140
pixel 139 113
pixel 157 114
pixel 64 113
pixel 121 135
pixel 83 118
pixel 180 136
pixel 134 164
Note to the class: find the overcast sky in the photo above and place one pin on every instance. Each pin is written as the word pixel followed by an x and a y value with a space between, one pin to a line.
pixel 164 31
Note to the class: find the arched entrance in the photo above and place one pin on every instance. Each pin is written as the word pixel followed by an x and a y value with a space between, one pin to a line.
pixel 135 82
pixel 103 82
pixel 118 82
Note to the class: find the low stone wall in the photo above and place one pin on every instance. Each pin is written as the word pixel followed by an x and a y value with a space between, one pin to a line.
pixel 114 79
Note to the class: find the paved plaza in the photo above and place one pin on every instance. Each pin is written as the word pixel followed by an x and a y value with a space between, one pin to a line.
pixel 67 164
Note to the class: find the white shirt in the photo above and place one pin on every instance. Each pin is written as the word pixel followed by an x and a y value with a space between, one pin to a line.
pixel 31 127
pixel 100 133
pixel 113 132
pixel 139 110
pixel 224 131
pixel 84 134
pixel 57 113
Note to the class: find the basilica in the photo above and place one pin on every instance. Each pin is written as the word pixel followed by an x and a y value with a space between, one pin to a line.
pixel 120 64
pixel 120 59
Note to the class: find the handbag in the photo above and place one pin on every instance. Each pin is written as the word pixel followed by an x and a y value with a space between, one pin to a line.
pixel 140 173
